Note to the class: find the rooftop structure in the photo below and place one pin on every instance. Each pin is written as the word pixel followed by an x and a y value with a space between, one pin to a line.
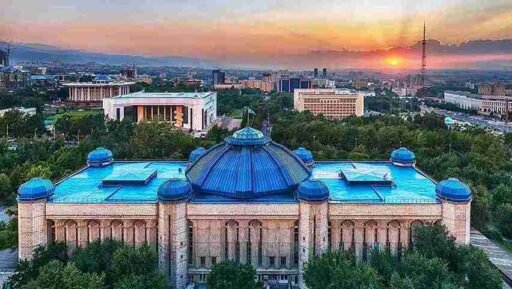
pixel 246 199
pixel 189 110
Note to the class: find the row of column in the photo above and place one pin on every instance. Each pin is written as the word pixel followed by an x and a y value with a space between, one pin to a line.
pixel 96 93
pixel 82 232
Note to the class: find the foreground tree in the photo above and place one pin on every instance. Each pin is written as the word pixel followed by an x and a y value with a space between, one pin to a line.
pixel 231 275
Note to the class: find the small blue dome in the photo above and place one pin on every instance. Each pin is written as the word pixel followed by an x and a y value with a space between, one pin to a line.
pixel 313 190
pixel 403 157
pixel 35 189
pixel 248 136
pixel 100 157
pixel 102 78
pixel 174 190
pixel 196 153
pixel 304 154
pixel 449 121
pixel 453 190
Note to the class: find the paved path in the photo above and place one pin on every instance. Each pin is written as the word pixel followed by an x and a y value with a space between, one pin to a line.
pixel 8 260
pixel 499 256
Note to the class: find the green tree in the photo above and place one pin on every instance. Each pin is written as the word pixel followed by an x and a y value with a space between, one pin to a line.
pixel 503 218
pixel 338 270
pixel 231 275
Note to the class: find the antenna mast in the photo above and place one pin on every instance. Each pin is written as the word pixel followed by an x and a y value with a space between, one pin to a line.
pixel 424 55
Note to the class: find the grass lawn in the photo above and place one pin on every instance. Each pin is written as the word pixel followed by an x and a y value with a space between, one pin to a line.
pixel 77 114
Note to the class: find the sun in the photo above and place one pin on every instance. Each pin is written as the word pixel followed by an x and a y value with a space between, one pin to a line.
pixel 394 61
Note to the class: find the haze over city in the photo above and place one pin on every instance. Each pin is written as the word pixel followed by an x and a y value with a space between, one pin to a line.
pixel 291 34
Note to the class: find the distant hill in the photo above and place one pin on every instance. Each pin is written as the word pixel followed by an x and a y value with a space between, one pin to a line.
pixel 46 53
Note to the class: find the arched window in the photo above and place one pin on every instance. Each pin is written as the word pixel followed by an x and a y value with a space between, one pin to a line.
pixel 71 235
pixel 93 228
pixel 117 230
pixel 347 236
pixel 140 232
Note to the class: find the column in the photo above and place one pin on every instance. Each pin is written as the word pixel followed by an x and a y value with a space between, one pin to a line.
pixel 105 230
pixel 358 239
pixel 243 232
pixel 335 235
pixel 32 228
pixel 382 236
pixel 60 234
pixel 151 233
pixel 305 240
pixel 456 218
pixel 172 245
pixel 128 234
pixel 83 237
pixel 404 234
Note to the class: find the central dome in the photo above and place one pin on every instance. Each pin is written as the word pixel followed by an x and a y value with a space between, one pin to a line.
pixel 247 165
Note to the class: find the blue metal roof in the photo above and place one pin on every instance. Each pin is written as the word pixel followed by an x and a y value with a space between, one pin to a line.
pixel 100 157
pixel 245 167
pixel 304 154
pixel 196 153
pixel 453 190
pixel 174 190
pixel 403 155
pixel 313 190
pixel 35 189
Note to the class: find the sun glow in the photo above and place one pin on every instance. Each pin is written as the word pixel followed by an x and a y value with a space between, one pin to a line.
pixel 394 61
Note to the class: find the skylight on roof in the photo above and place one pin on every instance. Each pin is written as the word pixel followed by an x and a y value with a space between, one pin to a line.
pixel 366 175
pixel 132 177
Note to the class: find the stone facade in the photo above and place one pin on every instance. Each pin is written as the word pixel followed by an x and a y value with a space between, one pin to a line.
pixel 277 239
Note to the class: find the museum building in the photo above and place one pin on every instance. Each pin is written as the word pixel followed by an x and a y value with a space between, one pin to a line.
pixel 246 199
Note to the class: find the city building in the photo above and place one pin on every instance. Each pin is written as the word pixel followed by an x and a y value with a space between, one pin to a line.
pixel 492 89
pixel 494 105
pixel 247 199
pixel 218 77
pixel 359 83
pixel 130 72
pixel 94 92
pixel 463 99
pixel 4 58
pixel 315 73
pixel 253 83
pixel 324 73
pixel 332 103
pixel 14 77
pixel 227 86
pixel 31 111
pixel 44 80
pixel 195 111
pixel 290 84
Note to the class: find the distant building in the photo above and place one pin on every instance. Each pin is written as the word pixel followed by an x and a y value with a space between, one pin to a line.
pixel 218 77
pixel 44 81
pixel 29 110
pixel 324 73
pixel 13 77
pixel 315 73
pixel 266 86
pixel 323 83
pixel 495 105
pixel 227 86
pixel 359 83
pixel 492 89
pixel 289 84
pixel 94 92
pixel 130 72
pixel 4 58
pixel 332 103
pixel 193 110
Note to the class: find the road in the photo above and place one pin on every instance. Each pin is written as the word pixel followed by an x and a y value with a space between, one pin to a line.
pixel 473 119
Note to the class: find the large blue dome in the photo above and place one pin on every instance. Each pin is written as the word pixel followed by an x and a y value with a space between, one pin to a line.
pixel 453 190
pixel 304 154
pixel 403 157
pixel 174 190
pixel 196 154
pixel 313 190
pixel 100 157
pixel 247 165
pixel 35 189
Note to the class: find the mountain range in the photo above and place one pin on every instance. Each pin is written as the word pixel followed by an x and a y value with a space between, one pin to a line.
pixel 475 54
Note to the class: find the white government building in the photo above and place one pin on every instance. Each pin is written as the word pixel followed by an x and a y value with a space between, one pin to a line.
pixel 331 102
pixel 189 110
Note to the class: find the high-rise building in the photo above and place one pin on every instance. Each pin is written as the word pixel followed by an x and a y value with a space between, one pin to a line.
pixel 315 73
pixel 324 73
pixel 332 103
pixel 218 77
pixel 4 57
pixel 130 72
pixel 289 84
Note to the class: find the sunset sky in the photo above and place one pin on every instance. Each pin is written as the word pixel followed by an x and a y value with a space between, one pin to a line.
pixel 248 30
